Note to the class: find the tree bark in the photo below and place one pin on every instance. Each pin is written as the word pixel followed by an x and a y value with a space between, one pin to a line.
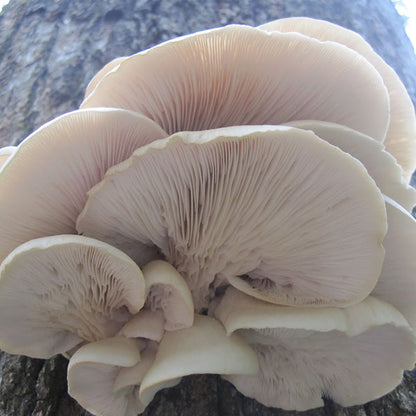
pixel 49 50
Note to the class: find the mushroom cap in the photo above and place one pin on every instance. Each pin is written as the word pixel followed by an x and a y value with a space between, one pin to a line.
pixel 353 354
pixel 239 75
pixel 46 191
pixel 5 154
pixel 110 66
pixel 166 289
pixel 203 348
pixel 92 374
pixel 256 206
pixel 133 376
pixel 400 139
pixel 381 165
pixel 397 281
pixel 56 292
pixel 146 324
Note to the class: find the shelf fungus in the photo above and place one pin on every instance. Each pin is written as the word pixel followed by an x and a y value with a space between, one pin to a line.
pixel 232 202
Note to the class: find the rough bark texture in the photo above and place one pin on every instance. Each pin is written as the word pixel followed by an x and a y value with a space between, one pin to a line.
pixel 49 49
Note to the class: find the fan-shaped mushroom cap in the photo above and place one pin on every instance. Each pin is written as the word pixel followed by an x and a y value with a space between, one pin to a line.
pixel 5 154
pixel 352 355
pixel 202 349
pixel 397 282
pixel 93 372
pixel 276 211
pixel 166 289
pixel 381 165
pixel 401 135
pixel 146 324
pixel 111 66
pixel 239 75
pixel 56 292
pixel 46 191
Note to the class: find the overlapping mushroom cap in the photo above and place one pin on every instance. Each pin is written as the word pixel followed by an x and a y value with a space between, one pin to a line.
pixel 243 170
pixel 351 355
pixel 243 205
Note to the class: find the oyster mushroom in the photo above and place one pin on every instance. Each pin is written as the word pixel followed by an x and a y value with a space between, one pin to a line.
pixel 46 190
pixel 5 154
pixel 203 348
pixel 167 290
pixel 353 355
pixel 96 379
pixel 169 304
pixel 257 207
pixel 401 134
pixel 381 165
pixel 110 66
pixel 239 75
pixel 145 324
pixel 57 292
pixel 397 283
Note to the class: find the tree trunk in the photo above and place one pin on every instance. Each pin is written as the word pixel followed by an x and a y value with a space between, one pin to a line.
pixel 49 49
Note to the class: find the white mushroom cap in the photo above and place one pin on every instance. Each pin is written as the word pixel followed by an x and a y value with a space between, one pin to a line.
pixel 146 324
pixel 46 190
pixel 381 166
pixel 56 292
pixel 111 66
pixel 93 372
pixel 166 289
pixel 401 135
pixel 239 75
pixel 202 349
pixel 256 206
pixel 5 154
pixel 352 355
pixel 397 282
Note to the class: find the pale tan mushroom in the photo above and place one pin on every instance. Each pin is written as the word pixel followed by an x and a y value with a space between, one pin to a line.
pixel 110 66
pixel 401 135
pixel 6 153
pixel 96 379
pixel 58 292
pixel 47 179
pixel 381 165
pixel 202 349
pixel 239 75
pixel 167 290
pixel 352 355
pixel 397 282
pixel 258 207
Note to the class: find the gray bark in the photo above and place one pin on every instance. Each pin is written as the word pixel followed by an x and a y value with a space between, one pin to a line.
pixel 49 49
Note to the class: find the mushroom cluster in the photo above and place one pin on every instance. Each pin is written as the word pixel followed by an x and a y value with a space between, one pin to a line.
pixel 241 209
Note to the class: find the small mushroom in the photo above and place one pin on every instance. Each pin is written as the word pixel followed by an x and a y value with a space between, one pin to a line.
pixel 239 75
pixel 202 349
pixel 167 290
pixel 57 292
pixel 352 355
pixel 46 190
pixel 96 381
pixel 400 139
pixel 257 207
pixel 146 324
pixel 381 166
